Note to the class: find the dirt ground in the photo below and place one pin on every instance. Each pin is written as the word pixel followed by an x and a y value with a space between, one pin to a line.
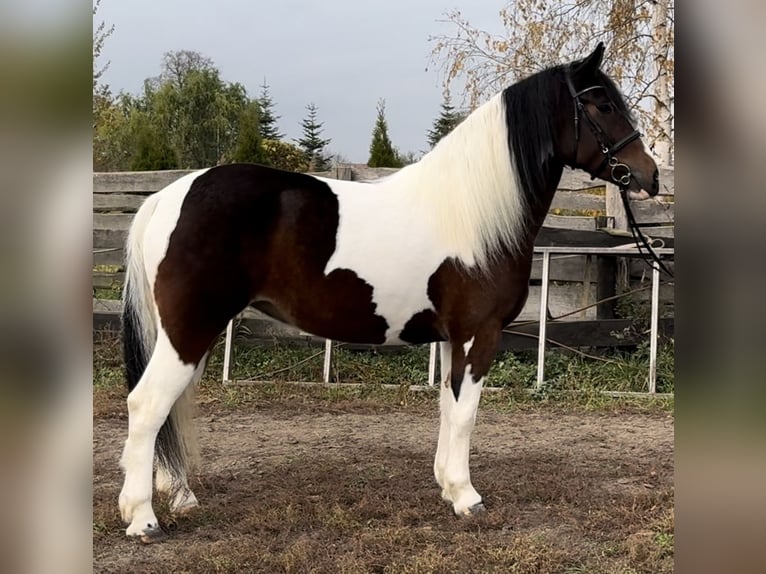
pixel 309 486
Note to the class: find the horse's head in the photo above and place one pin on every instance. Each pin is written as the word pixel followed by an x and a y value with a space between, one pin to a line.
pixel 598 133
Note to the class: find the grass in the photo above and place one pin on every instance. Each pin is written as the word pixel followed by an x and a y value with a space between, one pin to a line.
pixel 572 381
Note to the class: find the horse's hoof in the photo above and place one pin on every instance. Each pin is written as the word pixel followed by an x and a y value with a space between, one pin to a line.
pixel 185 509
pixel 477 508
pixel 150 534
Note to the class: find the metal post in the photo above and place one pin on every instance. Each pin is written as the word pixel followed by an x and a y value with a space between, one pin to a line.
pixel 543 319
pixel 327 360
pixel 432 364
pixel 654 327
pixel 227 351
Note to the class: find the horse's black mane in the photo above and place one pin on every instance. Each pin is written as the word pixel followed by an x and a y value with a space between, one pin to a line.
pixel 531 110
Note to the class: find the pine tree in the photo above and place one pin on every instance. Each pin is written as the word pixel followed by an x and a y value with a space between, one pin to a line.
pixel 445 123
pixel 382 152
pixel 249 147
pixel 311 144
pixel 269 127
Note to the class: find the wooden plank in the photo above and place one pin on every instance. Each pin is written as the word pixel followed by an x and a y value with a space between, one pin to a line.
pixel 102 280
pixel 551 237
pixel 109 256
pixel 575 179
pixel 562 299
pixel 653 211
pixel 109 238
pixel 580 223
pixel 615 208
pixel 563 268
pixel 667 181
pixel 105 202
pixel 112 221
pixel 607 286
pixel 579 201
pixel 135 181
pixel 665 232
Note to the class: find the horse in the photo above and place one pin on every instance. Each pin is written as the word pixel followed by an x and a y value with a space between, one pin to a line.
pixel 439 251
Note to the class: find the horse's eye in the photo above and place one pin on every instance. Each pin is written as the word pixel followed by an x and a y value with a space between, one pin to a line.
pixel 605 108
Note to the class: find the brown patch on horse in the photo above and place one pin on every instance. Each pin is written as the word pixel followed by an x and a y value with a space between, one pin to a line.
pixel 470 305
pixel 236 242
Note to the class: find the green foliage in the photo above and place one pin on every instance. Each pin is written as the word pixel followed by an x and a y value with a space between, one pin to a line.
pixel 283 155
pixel 382 152
pixel 196 116
pixel 311 143
pixel 269 128
pixel 249 142
pixel 152 148
pixel 445 123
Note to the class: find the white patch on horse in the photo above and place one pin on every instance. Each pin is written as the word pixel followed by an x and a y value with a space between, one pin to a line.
pixel 467 346
pixel 149 404
pixel 388 243
pixel 459 201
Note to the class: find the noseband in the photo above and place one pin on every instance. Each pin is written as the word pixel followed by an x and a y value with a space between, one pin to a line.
pixel 620 172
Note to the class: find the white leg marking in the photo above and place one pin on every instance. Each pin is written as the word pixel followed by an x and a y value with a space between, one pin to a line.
pixel 461 418
pixel 467 346
pixel 182 499
pixel 164 380
pixel 445 398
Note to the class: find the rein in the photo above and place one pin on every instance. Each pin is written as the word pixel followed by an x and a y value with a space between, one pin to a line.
pixel 620 172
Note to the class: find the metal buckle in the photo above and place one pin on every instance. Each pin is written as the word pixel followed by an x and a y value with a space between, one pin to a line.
pixel 624 179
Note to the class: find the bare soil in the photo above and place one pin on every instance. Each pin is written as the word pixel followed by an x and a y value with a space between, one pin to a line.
pixel 303 486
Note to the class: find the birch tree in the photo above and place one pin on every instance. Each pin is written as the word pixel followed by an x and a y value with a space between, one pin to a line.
pixel 638 34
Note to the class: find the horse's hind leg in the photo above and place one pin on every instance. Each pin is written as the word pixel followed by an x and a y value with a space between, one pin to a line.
pixel 175 482
pixel 149 403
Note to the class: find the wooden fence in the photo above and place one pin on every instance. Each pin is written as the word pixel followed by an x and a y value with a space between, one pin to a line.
pixel 583 212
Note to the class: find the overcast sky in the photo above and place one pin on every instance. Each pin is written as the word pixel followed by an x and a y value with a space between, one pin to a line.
pixel 340 54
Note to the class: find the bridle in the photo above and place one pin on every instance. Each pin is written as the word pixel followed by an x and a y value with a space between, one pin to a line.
pixel 620 172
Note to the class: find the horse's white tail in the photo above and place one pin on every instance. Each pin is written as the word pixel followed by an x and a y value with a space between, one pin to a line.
pixel 174 447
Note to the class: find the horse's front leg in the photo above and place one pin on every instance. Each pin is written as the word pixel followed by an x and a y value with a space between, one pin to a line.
pixel 459 402
pixel 442 448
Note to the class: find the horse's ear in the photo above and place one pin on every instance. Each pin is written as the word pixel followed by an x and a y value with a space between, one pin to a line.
pixel 592 63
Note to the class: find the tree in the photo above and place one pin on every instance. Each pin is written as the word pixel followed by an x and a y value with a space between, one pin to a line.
pixel 196 118
pixel 382 152
pixel 100 34
pixel 178 65
pixel 311 143
pixel 445 123
pixel 269 127
pixel 198 110
pixel 152 148
pixel 284 155
pixel 249 142
pixel 638 34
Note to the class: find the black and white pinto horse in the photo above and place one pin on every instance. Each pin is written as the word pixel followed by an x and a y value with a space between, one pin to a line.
pixel 439 251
